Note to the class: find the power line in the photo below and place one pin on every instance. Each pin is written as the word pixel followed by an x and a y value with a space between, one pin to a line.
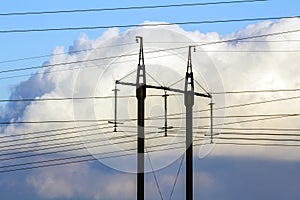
pixel 251 51
pixel 258 144
pixel 258 91
pixel 51 135
pixel 65 63
pixel 248 121
pixel 260 139
pixel 256 139
pixel 129 8
pixel 97 145
pixel 258 102
pixel 52 121
pixel 153 51
pixel 146 25
pixel 115 156
pixel 151 118
pixel 196 42
pixel 55 145
pixel 46 146
pixel 59 54
pixel 126 141
pixel 80 156
pixel 228 138
pixel 49 131
pixel 174 114
pixel 235 106
pixel 95 129
pixel 45 143
pixel 245 41
pixel 64 98
pixel 74 68
pixel 261 129
pixel 133 96
pixel 254 120
pixel 258 134
pixel 234 116
pixel 88 60
pixel 48 140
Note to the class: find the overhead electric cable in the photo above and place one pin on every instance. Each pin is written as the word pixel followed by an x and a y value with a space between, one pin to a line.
pixel 251 120
pixel 258 134
pixel 64 53
pixel 145 25
pixel 48 131
pixel 116 156
pixel 234 106
pixel 48 136
pixel 238 51
pixel 45 145
pixel 153 51
pixel 133 96
pixel 174 114
pixel 79 67
pixel 261 129
pixel 84 147
pixel 258 144
pixel 129 8
pixel 83 156
pixel 259 91
pixel 48 140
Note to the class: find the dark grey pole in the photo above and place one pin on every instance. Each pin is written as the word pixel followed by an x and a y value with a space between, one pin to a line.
pixel 189 103
pixel 141 96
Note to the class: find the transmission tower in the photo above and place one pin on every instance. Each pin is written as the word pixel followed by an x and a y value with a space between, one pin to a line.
pixel 189 95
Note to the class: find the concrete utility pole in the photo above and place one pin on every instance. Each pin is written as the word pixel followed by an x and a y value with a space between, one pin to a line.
pixel 141 96
pixel 189 103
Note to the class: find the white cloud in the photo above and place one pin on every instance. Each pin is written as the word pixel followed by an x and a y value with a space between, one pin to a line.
pixel 81 181
pixel 239 71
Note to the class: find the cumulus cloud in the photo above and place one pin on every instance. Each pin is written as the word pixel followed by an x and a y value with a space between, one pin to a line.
pixel 259 66
pixel 84 181
pixel 237 64
pixel 230 66
pixel 81 181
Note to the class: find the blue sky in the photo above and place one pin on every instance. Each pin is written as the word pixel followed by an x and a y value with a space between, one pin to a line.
pixel 232 174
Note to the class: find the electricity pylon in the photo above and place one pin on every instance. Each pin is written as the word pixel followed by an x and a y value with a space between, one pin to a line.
pixel 189 95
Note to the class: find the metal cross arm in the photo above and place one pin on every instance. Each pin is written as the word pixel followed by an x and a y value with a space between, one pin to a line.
pixel 165 88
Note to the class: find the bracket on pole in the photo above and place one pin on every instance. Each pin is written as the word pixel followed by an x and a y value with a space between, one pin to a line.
pixel 211 121
pixel 166 127
pixel 115 122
